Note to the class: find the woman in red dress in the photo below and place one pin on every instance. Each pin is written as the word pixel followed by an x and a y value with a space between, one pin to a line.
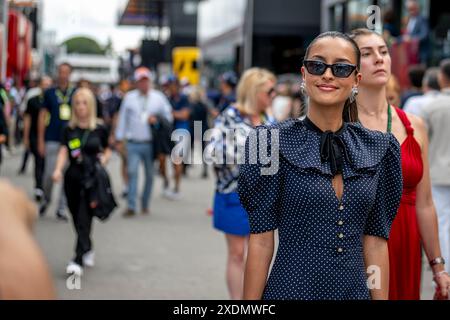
pixel 416 221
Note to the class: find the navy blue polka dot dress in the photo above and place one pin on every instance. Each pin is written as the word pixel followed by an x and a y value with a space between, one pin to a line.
pixel 320 252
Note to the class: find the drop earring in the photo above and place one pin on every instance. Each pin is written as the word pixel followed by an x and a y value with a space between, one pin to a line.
pixel 353 94
pixel 303 88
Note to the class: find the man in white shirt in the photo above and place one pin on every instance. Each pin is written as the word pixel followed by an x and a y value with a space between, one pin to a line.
pixel 139 110
pixel 437 118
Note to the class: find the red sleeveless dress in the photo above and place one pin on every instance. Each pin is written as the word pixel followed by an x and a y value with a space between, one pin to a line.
pixel 405 251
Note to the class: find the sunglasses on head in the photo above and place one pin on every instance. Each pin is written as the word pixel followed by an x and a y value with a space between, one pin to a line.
pixel 339 70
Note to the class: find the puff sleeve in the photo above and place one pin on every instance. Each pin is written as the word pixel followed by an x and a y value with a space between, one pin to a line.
pixel 260 193
pixel 388 194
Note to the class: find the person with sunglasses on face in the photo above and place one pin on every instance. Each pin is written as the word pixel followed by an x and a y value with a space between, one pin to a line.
pixel 332 196
pixel 416 222
pixel 255 92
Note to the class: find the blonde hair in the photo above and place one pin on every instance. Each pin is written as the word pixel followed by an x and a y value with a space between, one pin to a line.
pixel 393 86
pixel 92 106
pixel 248 87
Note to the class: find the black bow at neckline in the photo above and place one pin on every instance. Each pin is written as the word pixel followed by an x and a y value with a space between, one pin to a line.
pixel 332 147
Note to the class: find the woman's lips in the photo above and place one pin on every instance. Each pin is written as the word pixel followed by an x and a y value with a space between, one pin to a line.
pixel 327 87
pixel 380 71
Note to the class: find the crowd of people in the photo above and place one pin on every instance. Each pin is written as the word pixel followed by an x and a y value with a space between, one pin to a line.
pixel 362 177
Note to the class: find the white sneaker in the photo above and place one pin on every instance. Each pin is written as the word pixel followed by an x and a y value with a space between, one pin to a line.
pixel 89 259
pixel 74 268
pixel 167 193
pixel 175 196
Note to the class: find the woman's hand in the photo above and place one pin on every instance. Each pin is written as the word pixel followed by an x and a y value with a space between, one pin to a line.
pixel 103 160
pixel 105 156
pixel 57 175
pixel 443 286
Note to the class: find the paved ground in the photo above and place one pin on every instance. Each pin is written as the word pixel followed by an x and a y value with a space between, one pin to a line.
pixel 172 254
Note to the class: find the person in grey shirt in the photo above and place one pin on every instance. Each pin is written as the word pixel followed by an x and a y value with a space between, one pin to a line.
pixel 437 117
pixel 430 87
pixel 139 110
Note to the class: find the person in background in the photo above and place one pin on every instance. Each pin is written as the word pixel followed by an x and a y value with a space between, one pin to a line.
pixel 20 251
pixel 3 127
pixel 228 82
pixel 85 143
pixel 415 223
pixel 3 131
pixel 393 91
pixel 199 113
pixel 255 92
pixel 122 89
pixel 282 108
pixel 111 107
pixel 415 74
pixel 436 115
pixel 185 86
pixel 390 30
pixel 138 111
pixel 418 29
pixel 32 91
pixel 53 117
pixel 15 96
pixel 84 83
pixel 430 85
pixel 30 136
pixel 181 115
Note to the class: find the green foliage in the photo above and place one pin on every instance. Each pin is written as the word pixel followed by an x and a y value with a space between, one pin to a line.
pixel 83 45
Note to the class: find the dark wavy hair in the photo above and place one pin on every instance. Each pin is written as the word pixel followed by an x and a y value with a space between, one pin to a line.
pixel 350 112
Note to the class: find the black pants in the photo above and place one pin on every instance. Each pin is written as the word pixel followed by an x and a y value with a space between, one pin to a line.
pixel 26 156
pixel 81 213
pixel 39 163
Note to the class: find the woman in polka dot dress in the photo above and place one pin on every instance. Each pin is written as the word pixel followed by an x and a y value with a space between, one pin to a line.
pixel 416 221
pixel 332 194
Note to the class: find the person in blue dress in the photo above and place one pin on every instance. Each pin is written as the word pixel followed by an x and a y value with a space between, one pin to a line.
pixel 255 93
pixel 332 192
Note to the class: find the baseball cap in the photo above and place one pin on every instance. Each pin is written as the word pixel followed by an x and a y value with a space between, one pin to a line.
pixel 172 79
pixel 230 78
pixel 142 73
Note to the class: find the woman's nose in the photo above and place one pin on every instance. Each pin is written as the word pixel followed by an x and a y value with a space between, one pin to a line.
pixel 328 74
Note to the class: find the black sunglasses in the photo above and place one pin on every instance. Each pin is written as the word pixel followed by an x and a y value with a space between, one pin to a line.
pixel 339 70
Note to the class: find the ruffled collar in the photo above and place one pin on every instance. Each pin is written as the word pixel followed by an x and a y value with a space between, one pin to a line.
pixel 332 147
pixel 364 149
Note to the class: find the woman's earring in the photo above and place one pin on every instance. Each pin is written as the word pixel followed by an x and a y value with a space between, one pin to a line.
pixel 303 88
pixel 354 94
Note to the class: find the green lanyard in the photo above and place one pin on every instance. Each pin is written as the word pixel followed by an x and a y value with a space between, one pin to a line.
pixel 389 122
pixel 4 96
pixel 84 138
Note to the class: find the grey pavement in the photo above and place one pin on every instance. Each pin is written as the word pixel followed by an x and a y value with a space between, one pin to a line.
pixel 173 253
